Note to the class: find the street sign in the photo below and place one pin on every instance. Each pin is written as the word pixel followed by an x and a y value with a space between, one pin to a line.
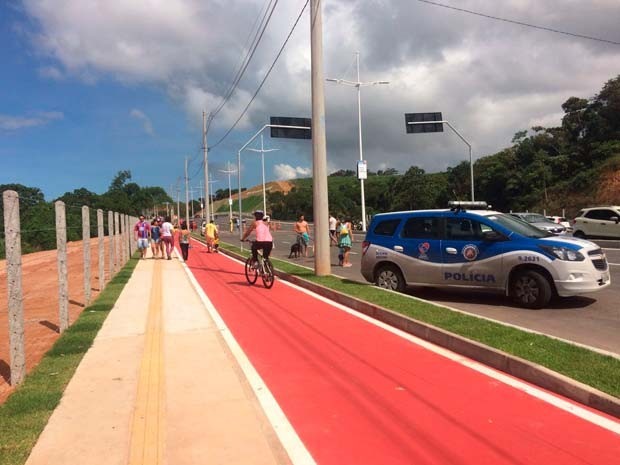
pixel 291 133
pixel 362 169
pixel 423 117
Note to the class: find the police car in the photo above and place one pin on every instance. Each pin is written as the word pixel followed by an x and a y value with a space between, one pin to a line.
pixel 479 249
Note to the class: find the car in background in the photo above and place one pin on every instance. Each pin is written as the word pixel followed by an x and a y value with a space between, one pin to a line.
pixel 479 249
pixel 602 222
pixel 560 220
pixel 541 222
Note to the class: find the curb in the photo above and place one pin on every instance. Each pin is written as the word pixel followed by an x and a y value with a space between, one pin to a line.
pixel 502 361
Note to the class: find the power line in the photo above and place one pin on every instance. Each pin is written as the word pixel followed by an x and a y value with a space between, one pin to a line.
pixel 245 63
pixel 520 23
pixel 264 78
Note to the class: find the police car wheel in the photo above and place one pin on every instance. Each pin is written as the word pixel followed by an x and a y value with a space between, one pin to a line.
pixel 390 277
pixel 531 289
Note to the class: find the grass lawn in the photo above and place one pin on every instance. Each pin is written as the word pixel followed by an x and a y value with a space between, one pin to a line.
pixel 26 412
pixel 586 366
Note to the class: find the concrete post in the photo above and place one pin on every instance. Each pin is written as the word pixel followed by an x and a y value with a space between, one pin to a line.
pixel 61 254
pixel 12 236
pixel 128 236
pixel 123 231
pixel 86 247
pixel 117 243
pixel 111 242
pixel 100 240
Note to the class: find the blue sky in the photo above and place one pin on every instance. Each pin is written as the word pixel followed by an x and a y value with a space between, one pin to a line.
pixel 92 88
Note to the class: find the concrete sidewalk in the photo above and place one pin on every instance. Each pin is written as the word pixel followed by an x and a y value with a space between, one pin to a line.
pixel 159 385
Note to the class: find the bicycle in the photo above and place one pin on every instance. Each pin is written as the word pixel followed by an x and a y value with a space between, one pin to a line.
pixel 264 268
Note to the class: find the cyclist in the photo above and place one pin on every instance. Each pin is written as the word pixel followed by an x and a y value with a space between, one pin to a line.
pixel 264 240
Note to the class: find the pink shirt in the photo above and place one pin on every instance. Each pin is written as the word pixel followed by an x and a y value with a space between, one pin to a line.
pixel 262 232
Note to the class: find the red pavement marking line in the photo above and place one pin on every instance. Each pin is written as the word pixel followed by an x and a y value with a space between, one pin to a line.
pixel 357 393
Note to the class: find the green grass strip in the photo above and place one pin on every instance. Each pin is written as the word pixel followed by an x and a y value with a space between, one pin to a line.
pixel 26 412
pixel 586 366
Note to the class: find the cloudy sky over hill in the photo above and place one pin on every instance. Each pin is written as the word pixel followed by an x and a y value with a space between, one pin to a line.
pixel 100 86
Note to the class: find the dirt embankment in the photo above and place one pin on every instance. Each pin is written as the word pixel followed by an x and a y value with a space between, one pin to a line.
pixel 40 302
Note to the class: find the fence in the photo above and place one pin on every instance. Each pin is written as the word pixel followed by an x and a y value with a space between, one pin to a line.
pixel 120 248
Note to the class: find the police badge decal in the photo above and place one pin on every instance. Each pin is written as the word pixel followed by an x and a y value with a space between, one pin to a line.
pixel 423 248
pixel 470 252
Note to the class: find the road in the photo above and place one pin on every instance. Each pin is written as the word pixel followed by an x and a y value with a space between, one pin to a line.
pixel 358 392
pixel 592 320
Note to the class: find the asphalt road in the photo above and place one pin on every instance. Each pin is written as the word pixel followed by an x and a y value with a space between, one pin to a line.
pixel 592 320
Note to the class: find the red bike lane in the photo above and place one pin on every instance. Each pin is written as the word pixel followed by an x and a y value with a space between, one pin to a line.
pixel 357 393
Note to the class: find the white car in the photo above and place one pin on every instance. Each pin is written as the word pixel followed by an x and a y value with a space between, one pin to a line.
pixel 603 222
pixel 560 220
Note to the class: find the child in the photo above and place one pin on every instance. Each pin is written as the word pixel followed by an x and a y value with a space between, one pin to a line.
pixel 216 244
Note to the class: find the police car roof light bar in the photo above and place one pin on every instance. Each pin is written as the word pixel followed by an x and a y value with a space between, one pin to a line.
pixel 461 205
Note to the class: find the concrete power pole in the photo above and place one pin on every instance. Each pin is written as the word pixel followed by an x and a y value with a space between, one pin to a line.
pixel 322 266
pixel 206 162
pixel 186 195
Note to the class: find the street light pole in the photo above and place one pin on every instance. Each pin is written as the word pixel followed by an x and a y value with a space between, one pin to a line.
pixel 471 164
pixel 229 171
pixel 358 84
pixel 262 157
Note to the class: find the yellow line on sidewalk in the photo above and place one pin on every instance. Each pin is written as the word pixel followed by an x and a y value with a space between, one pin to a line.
pixel 147 433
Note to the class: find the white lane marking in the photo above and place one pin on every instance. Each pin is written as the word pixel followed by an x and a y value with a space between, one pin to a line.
pixel 531 390
pixel 286 433
pixel 613 264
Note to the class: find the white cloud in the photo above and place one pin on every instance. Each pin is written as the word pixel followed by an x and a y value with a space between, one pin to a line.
pixel 51 72
pixel 146 121
pixel 14 123
pixel 285 172
pixel 489 78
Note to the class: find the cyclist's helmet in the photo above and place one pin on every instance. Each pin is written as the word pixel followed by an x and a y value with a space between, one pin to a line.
pixel 259 214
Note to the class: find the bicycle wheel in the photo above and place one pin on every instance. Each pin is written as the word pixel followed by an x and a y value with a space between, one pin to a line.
pixel 251 274
pixel 268 276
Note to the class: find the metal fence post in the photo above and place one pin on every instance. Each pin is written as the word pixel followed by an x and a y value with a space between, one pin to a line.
pixel 86 247
pixel 61 254
pixel 101 262
pixel 111 242
pixel 12 235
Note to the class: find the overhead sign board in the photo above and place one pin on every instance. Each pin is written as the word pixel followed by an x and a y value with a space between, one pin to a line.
pixel 362 169
pixel 291 133
pixel 419 119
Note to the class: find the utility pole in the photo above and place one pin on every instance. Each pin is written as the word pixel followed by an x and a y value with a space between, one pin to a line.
pixel 322 266
pixel 262 159
pixel 186 194
pixel 206 161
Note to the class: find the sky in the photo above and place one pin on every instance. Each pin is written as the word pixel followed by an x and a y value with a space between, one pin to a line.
pixel 93 87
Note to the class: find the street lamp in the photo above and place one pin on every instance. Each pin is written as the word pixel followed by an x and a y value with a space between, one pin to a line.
pixel 239 165
pixel 359 85
pixel 471 165
pixel 229 171
pixel 262 158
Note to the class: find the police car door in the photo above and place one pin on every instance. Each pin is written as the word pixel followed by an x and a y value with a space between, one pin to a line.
pixel 419 239
pixel 468 260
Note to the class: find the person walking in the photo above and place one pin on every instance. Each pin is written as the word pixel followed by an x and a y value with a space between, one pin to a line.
pixel 211 233
pixel 167 237
pixel 333 222
pixel 303 234
pixel 184 241
pixel 142 234
pixel 344 242
pixel 156 239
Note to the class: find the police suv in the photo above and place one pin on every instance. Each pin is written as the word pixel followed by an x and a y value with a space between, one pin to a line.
pixel 479 249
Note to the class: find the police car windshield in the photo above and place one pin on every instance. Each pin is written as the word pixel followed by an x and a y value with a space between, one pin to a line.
pixel 519 226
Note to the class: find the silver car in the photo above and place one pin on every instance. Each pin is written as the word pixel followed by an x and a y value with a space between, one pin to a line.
pixel 541 222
